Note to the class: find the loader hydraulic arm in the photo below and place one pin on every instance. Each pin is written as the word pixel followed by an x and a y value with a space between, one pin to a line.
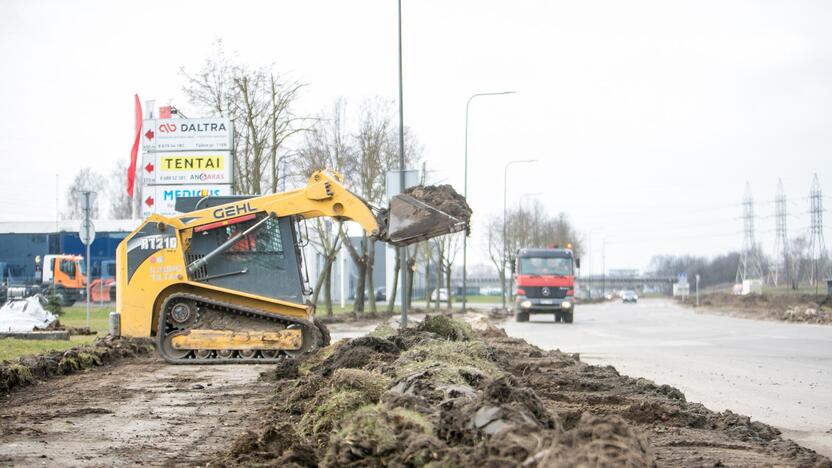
pixel 324 195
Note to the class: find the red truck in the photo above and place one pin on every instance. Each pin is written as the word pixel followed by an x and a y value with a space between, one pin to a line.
pixel 545 281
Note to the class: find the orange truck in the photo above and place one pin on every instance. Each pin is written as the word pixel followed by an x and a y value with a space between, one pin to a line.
pixel 545 281
pixel 59 274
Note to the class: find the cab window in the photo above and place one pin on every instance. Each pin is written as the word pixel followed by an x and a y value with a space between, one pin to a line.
pixel 68 268
pixel 552 266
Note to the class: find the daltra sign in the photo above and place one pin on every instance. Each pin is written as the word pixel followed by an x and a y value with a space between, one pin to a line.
pixel 187 167
pixel 187 134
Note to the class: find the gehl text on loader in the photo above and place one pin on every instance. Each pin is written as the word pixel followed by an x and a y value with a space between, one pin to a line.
pixel 225 281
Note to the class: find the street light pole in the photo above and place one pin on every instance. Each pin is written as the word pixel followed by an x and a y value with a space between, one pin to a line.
pixel 465 194
pixel 403 254
pixel 505 240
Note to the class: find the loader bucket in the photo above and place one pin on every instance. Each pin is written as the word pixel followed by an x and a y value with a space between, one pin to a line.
pixel 424 212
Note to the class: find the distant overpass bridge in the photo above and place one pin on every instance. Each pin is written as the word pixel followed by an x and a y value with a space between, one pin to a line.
pixel 663 283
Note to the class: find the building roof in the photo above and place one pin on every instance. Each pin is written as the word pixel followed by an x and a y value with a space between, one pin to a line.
pixel 51 227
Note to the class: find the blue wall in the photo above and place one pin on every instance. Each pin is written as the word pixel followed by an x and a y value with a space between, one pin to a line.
pixel 18 251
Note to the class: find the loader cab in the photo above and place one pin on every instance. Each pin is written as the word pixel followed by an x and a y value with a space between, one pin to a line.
pixel 266 262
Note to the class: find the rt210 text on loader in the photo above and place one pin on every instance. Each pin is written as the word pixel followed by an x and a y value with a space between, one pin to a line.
pixel 225 281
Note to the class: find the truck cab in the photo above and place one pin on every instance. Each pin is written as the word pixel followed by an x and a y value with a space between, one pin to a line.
pixel 545 283
pixel 64 273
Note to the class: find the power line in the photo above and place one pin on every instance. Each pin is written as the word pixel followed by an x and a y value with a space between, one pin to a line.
pixel 750 266
pixel 817 244
pixel 781 243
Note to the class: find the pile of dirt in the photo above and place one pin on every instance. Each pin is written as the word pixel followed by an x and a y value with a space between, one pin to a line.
pixel 805 308
pixel 444 198
pixel 30 369
pixel 57 325
pixel 446 395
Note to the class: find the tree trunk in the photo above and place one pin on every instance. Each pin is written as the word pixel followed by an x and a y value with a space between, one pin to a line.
pixel 316 291
pixel 503 285
pixel 411 262
pixel 448 287
pixel 370 255
pixel 439 281
pixel 328 286
pixel 391 298
pixel 427 282
pixel 360 264
pixel 358 305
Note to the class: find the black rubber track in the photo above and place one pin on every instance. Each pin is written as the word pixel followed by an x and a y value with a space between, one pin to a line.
pixel 315 334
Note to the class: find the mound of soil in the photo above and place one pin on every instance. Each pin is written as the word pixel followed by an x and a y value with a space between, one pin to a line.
pixel 445 395
pixel 444 198
pixel 30 369
pixel 57 325
pixel 805 308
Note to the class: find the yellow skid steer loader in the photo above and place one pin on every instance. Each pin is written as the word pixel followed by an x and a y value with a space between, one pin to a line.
pixel 225 282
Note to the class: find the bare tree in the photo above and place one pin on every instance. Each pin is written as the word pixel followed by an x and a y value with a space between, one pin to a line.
pixel 527 227
pixel 258 101
pixel 326 244
pixel 534 227
pixel 120 203
pixel 376 144
pixel 451 248
pixel 496 249
pixel 85 180
pixel 438 261
pixel 326 147
pixel 426 251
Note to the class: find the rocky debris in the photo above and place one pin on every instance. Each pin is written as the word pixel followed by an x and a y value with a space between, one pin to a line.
pixel 803 308
pixel 30 369
pixel 442 394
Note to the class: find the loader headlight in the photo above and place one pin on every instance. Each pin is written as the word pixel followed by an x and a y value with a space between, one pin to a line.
pixel 526 304
pixel 566 304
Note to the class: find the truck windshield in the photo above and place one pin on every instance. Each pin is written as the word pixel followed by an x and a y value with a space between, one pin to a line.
pixel 546 266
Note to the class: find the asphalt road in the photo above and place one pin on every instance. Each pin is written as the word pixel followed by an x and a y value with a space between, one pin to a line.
pixel 778 373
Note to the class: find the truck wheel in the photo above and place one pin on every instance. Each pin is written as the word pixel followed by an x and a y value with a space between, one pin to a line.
pixel 567 316
pixel 557 317
pixel 522 316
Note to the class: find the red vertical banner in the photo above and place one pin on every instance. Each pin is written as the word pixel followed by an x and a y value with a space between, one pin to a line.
pixel 134 153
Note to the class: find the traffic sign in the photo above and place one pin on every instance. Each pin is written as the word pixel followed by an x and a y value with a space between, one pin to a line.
pixel 86 232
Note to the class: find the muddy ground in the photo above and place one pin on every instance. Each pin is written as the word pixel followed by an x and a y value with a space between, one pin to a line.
pixel 140 411
pixel 439 394
pixel 444 396
pixel 799 308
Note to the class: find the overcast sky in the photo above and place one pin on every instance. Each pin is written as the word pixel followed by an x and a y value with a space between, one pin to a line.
pixel 647 118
